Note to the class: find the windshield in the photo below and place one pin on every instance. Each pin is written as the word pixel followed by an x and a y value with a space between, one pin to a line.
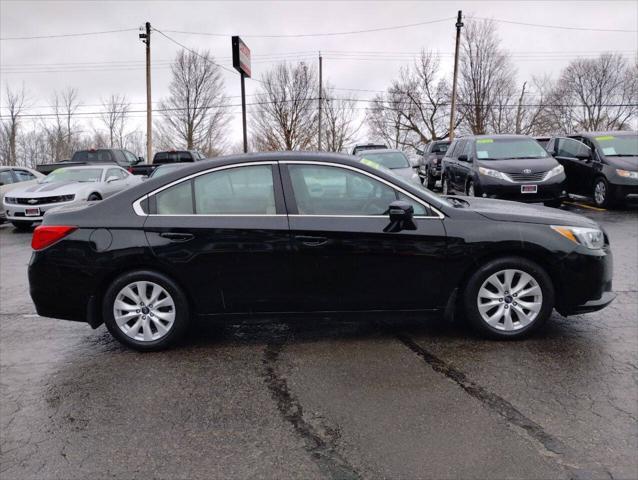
pixel 440 147
pixel 618 146
pixel 508 148
pixel 389 160
pixel 74 175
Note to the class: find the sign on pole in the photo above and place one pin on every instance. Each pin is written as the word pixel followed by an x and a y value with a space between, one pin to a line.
pixel 241 56
pixel 241 62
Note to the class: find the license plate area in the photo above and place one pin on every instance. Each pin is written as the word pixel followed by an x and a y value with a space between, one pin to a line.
pixel 529 188
pixel 32 212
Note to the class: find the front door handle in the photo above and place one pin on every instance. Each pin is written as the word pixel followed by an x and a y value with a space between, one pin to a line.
pixel 311 241
pixel 177 237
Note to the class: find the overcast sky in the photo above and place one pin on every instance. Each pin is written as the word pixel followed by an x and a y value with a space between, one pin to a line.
pixel 99 65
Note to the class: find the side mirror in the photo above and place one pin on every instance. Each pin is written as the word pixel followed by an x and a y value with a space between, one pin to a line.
pixel 463 158
pixel 401 217
pixel 419 152
pixel 139 160
pixel 112 178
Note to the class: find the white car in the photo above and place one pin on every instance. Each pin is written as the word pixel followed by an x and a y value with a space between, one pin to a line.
pixel 64 186
pixel 14 177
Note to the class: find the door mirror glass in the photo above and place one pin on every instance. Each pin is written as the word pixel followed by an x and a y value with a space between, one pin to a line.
pixel 463 158
pixel 401 217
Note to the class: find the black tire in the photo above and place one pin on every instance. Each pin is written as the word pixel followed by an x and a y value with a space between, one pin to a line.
pixel 430 182
pixel 470 191
pixel 94 197
pixel 182 310
pixel 603 198
pixel 470 297
pixel 445 186
pixel 22 226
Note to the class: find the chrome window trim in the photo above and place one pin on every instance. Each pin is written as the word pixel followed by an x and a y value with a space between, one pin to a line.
pixel 137 207
pixel 438 215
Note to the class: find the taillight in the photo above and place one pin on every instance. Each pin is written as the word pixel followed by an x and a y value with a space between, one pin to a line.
pixel 46 235
pixel 130 169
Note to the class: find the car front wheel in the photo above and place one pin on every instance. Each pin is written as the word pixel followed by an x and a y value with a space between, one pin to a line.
pixel 145 310
pixel 508 298
pixel 603 195
pixel 445 187
pixel 22 226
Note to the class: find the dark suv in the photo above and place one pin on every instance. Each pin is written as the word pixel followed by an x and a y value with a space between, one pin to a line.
pixel 430 162
pixel 512 167
pixel 603 165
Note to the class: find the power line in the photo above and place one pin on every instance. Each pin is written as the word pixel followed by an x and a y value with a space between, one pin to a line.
pixel 62 35
pixel 559 27
pixel 330 34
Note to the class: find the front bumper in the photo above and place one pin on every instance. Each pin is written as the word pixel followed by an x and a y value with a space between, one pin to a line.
pixel 18 212
pixel 583 282
pixel 545 191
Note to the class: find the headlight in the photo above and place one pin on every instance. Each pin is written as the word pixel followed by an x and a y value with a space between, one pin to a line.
pixel 492 173
pixel 592 238
pixel 9 200
pixel 627 174
pixel 66 198
pixel 555 171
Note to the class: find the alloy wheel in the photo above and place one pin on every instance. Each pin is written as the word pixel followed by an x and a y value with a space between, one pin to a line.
pixel 445 187
pixel 600 192
pixel 144 311
pixel 470 190
pixel 509 300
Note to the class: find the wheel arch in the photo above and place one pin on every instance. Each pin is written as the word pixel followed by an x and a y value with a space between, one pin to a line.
pixel 94 307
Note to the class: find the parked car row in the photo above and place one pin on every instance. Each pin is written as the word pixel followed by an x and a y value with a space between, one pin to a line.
pixel 310 232
pixel 602 165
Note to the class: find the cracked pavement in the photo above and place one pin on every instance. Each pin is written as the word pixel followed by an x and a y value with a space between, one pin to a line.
pixel 338 398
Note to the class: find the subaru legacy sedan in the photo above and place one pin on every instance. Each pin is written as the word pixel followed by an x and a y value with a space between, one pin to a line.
pixel 276 233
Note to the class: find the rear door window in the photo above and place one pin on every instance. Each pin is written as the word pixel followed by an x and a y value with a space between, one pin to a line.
pixel 23 175
pixel 5 177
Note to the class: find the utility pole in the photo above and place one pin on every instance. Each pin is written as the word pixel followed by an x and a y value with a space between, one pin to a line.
pixel 146 38
pixel 320 97
pixel 459 24
pixel 243 110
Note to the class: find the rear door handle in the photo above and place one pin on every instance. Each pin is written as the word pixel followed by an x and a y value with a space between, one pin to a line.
pixel 177 237
pixel 311 241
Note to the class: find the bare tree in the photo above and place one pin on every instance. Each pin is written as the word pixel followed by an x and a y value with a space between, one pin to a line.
pixel 386 120
pixel 427 98
pixel 486 77
pixel 114 117
pixel 61 131
pixel 193 114
pixel 595 94
pixel 340 124
pixel 287 115
pixel 15 104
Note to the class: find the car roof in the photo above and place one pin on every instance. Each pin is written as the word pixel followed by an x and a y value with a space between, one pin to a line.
pixel 496 135
pixel 89 167
pixel 617 133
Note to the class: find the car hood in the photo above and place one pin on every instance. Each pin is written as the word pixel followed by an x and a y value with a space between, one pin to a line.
pixel 626 163
pixel 518 165
pixel 505 210
pixel 49 189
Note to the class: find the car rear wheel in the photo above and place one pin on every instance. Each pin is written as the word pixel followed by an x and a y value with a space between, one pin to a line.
pixel 145 310
pixel 508 298
pixel 22 226
pixel 603 195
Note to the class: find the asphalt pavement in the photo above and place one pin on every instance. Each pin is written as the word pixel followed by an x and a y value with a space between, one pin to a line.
pixel 337 398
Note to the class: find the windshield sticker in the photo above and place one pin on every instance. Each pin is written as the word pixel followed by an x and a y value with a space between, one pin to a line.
pixel 485 140
pixel 609 151
pixel 370 163
pixel 482 154
pixel 606 137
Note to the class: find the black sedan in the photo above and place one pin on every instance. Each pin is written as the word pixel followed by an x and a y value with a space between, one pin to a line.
pixel 301 232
